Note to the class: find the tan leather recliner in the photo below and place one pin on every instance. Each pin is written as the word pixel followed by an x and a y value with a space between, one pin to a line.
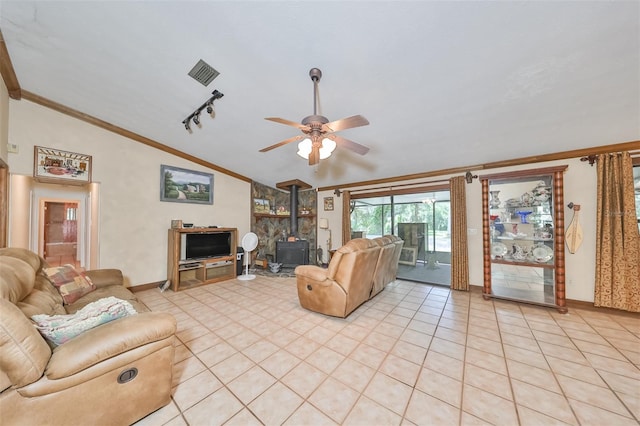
pixel 387 266
pixel 345 284
pixel 113 374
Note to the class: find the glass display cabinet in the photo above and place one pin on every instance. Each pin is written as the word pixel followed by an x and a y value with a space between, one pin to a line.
pixel 523 236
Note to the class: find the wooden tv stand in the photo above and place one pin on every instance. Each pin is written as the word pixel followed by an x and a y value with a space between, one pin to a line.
pixel 193 273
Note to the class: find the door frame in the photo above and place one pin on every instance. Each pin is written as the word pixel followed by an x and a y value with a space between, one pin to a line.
pixel 43 194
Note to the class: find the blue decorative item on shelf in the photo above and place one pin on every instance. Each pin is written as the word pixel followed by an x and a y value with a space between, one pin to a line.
pixel 523 216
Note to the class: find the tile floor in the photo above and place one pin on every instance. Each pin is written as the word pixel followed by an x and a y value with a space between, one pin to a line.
pixel 248 354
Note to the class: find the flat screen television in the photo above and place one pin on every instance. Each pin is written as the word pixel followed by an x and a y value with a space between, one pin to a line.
pixel 205 245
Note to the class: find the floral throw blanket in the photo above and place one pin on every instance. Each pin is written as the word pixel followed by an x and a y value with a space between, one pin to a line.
pixel 59 329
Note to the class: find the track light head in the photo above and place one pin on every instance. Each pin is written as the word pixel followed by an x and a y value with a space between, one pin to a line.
pixel 195 115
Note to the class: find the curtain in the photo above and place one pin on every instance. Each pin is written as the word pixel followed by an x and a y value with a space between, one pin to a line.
pixel 459 247
pixel 617 238
pixel 346 217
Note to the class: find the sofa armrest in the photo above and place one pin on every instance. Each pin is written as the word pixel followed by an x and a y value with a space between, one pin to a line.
pixel 312 272
pixel 105 277
pixel 109 340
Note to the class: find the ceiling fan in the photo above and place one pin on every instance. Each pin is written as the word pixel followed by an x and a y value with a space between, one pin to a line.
pixel 319 139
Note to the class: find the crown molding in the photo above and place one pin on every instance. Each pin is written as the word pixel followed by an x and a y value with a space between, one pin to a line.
pixel 7 71
pixel 126 133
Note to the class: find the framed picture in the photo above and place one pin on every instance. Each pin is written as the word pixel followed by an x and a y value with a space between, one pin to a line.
pixel 328 203
pixel 56 166
pixel 185 186
pixel 261 206
pixel 408 256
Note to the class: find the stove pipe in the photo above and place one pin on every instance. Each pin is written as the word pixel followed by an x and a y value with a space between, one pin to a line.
pixel 293 203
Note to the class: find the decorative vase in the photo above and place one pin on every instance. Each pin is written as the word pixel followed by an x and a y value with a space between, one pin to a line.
pixel 523 216
pixel 494 203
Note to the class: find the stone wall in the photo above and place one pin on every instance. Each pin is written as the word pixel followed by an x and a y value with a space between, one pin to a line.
pixel 271 227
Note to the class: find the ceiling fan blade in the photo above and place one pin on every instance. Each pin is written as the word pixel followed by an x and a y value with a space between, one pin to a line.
pixel 284 142
pixel 349 144
pixel 288 123
pixel 345 123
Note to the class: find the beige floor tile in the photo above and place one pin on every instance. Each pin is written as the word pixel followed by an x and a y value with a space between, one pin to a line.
pixel 368 355
pixel 590 415
pixel 302 347
pixel 599 349
pixel 367 412
pixel 388 392
pixel 445 365
pixel 304 379
pixel 623 368
pixel 260 350
pixel 216 354
pixel 355 332
pixel 410 352
pixel 282 337
pixel 380 341
pixel 448 348
pixel 488 406
pixel 307 414
pixel 334 399
pixel 539 377
pixel 217 408
pixel 424 409
pixel 582 372
pixel 529 417
pixel 203 342
pixel 485 345
pixel 161 416
pixel 631 401
pixel 250 384
pixel 353 374
pixel 592 395
pixel 243 339
pixel 562 352
pixel 185 370
pixel 528 343
pixel 535 359
pixel 417 338
pixel 400 369
pixel 486 360
pixel 342 344
pixel 280 363
pixel 542 400
pixel 191 391
pixel 620 383
pixel 467 419
pixel 325 359
pixel 275 405
pixel 440 386
pixel 487 380
pixel 232 367
pixel 243 418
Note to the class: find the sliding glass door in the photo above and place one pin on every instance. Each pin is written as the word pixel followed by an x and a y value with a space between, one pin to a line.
pixel 421 219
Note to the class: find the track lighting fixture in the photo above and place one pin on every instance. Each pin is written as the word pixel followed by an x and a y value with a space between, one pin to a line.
pixel 195 115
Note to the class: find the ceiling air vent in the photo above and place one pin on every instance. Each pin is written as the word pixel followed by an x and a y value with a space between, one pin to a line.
pixel 203 73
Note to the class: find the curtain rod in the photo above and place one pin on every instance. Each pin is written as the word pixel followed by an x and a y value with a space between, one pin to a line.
pixel 392 187
pixel 593 157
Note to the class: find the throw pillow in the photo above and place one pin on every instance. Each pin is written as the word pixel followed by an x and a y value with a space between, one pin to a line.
pixel 59 329
pixel 71 284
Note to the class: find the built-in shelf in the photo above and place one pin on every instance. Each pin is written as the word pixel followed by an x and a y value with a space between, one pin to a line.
pixel 281 216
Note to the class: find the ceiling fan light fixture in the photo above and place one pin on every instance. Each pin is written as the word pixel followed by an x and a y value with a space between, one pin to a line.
pixel 328 146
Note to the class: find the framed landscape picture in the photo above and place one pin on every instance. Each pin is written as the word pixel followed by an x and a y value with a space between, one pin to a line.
pixel 185 186
pixel 56 166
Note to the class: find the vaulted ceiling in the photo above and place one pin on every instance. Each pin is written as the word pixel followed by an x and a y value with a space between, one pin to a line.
pixel 444 84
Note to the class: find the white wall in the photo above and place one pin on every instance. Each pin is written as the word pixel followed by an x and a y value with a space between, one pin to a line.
pixel 133 222
pixel 579 187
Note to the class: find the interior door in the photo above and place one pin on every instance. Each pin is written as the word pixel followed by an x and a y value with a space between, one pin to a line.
pixel 60 233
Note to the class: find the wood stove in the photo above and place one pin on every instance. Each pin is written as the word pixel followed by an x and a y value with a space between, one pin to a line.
pixel 292 253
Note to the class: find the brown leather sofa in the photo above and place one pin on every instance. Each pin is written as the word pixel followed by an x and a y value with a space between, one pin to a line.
pixel 387 266
pixel 357 271
pixel 113 374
